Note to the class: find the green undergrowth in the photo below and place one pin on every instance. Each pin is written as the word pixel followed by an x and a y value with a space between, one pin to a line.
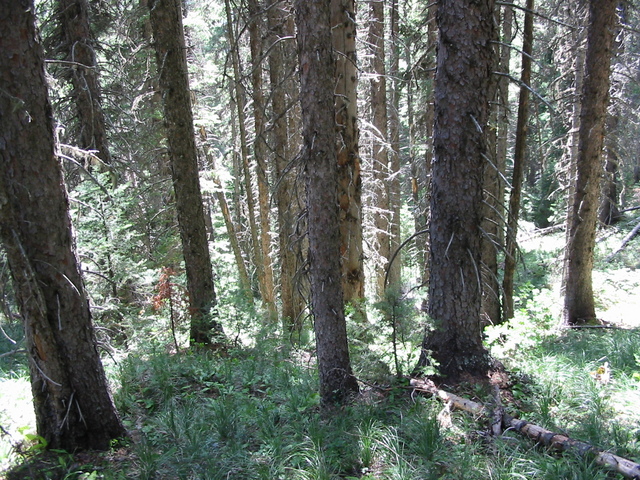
pixel 254 412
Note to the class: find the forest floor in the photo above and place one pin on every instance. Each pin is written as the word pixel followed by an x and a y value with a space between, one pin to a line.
pixel 255 413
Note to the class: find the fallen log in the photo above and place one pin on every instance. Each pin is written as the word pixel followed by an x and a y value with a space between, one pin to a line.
pixel 545 437
pixel 626 240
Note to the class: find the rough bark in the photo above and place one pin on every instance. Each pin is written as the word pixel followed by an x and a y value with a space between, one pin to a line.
pixel 493 221
pixel 317 77
pixel 609 213
pixel 72 402
pixel 78 47
pixel 380 156
pixel 577 39
pixel 421 167
pixel 240 102
pixel 166 22
pixel 579 305
pixel 519 159
pixel 285 190
pixel 260 150
pixel 394 275
pixel 463 81
pixel 343 16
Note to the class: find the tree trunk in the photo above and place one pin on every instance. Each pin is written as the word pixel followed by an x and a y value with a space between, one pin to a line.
pixel 343 16
pixel 317 79
pixel 380 156
pixel 260 150
pixel 244 153
pixel 77 45
pixel 285 196
pixel 394 276
pixel 166 22
pixel 72 402
pixel 580 53
pixel 519 159
pixel 245 282
pixel 493 221
pixel 609 213
pixel 466 59
pixel 421 167
pixel 579 306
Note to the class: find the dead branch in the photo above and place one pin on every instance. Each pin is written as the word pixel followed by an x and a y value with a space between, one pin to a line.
pixel 540 435
pixel 626 240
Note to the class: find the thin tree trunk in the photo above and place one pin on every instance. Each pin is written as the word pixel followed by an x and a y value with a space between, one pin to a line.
pixel 394 276
pixel 260 150
pixel 493 221
pixel 245 282
pixel 349 180
pixel 166 22
pixel 73 406
pixel 609 212
pixel 240 100
pixel 78 48
pixel 380 157
pixel 519 159
pixel 422 188
pixel 285 190
pixel 579 305
pixel 317 78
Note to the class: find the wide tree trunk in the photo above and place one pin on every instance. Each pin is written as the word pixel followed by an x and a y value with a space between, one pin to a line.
pixel 577 39
pixel 466 60
pixel 166 22
pixel 317 79
pixel 579 305
pixel 343 16
pixel 519 158
pixel 73 405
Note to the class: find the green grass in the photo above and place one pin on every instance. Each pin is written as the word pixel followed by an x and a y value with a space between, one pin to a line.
pixel 255 413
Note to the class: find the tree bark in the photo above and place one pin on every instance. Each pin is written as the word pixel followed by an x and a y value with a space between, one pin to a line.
pixel 72 402
pixel 394 276
pixel 380 154
pixel 493 221
pixel 78 47
pixel 519 160
pixel 240 102
pixel 285 193
pixel 579 305
pixel 466 59
pixel 166 22
pixel 577 38
pixel 260 154
pixel 609 213
pixel 317 78
pixel 343 16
